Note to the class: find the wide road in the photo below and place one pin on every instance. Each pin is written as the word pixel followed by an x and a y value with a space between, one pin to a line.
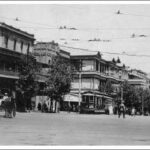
pixel 73 129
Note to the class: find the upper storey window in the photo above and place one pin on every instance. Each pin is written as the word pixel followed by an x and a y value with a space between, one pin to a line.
pixel 21 47
pixel 87 65
pixel 6 41
pixel 28 48
pixel 14 44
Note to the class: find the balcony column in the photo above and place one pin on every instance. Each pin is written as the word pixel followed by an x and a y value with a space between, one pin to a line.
pixel 16 68
pixel 4 67
pixel 100 67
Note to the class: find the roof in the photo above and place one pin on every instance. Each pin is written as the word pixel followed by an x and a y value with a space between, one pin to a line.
pixel 77 52
pixel 21 32
pixel 65 52
pixel 140 71
pixel 52 42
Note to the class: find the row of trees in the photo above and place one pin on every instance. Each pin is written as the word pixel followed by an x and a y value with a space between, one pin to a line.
pixel 133 96
pixel 137 97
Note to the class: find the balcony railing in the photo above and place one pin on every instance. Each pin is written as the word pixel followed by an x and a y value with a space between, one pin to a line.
pixel 103 74
pixel 7 73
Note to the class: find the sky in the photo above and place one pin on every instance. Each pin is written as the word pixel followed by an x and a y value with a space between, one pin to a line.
pixel 125 33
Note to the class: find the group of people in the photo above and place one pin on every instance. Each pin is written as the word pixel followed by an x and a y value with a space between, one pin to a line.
pixel 9 106
pixel 122 111
pixel 49 106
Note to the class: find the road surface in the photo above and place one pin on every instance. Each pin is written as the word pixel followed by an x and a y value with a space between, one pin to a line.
pixel 70 129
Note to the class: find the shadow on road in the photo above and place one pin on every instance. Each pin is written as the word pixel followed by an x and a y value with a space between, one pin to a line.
pixel 2 116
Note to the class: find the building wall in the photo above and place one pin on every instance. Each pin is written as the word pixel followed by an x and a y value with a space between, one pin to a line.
pixel 87 83
pixel 14 38
pixel 44 52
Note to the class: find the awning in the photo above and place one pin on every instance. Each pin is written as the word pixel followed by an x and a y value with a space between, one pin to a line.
pixel 71 98
pixel 97 95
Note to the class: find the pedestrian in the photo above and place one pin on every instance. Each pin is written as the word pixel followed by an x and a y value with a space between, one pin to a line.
pixel 133 111
pixel 10 107
pixel 5 99
pixel 121 110
pixel 39 106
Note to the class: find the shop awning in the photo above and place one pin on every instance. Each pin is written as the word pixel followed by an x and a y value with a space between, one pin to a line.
pixel 71 98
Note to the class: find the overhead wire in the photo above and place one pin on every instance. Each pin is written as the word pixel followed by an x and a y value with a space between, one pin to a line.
pixel 47 26
pixel 51 28
pixel 112 53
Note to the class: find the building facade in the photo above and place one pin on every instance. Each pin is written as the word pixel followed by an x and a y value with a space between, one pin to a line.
pixel 90 83
pixel 14 45
pixel 139 79
pixel 43 53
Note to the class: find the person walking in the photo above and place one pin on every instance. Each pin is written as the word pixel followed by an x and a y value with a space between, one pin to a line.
pixel 121 110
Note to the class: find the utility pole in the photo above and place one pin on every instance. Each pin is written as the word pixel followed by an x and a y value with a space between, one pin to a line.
pixel 79 87
pixel 121 93
pixel 121 86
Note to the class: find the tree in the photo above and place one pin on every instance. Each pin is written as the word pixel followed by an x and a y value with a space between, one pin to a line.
pixel 113 60
pixel 137 97
pixel 59 78
pixel 128 93
pixel 109 88
pixel 118 60
pixel 27 85
pixel 143 100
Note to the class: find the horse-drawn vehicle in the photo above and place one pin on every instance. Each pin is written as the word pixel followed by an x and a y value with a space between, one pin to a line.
pixel 9 106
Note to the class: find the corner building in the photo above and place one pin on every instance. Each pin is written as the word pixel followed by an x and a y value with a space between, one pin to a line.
pixel 89 83
pixel 14 45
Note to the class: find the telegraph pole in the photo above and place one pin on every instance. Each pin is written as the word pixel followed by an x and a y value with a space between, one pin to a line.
pixel 121 86
pixel 121 93
pixel 79 87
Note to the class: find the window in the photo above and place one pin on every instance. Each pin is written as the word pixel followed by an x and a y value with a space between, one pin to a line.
pixel 97 65
pixel 21 47
pixel 28 48
pixel 15 44
pixel 87 83
pixel 88 65
pixel 6 41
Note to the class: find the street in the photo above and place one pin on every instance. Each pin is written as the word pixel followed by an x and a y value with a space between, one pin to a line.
pixel 69 129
